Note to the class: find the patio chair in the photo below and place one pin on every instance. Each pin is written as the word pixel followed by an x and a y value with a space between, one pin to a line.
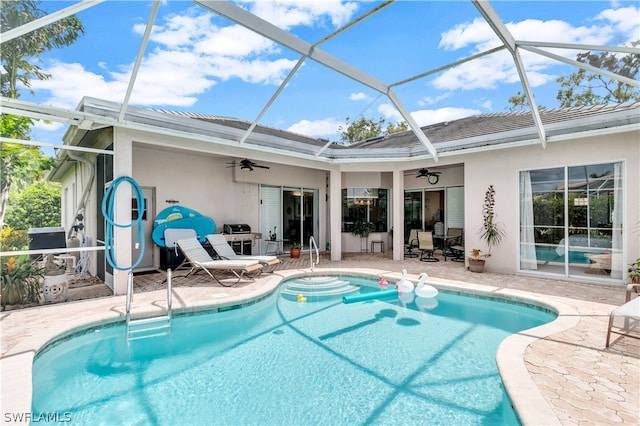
pixel 625 320
pixel 225 251
pixel 455 244
pixel 412 243
pixel 199 259
pixel 426 247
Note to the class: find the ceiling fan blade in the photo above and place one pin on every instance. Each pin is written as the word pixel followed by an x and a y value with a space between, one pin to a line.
pixel 259 166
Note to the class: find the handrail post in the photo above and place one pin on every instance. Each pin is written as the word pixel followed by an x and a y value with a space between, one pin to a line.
pixel 312 244
pixel 169 293
pixel 129 295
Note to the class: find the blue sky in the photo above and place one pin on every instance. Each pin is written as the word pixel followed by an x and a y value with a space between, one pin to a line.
pixel 200 62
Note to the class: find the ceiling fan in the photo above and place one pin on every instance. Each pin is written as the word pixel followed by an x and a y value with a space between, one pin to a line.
pixel 432 177
pixel 247 165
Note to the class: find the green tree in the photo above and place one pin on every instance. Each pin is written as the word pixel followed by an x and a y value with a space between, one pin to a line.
pixel 396 128
pixel 22 165
pixel 20 55
pixel 587 88
pixel 519 102
pixel 366 128
pixel 583 87
pixel 35 207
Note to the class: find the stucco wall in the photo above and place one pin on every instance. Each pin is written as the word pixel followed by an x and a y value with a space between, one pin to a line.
pixel 207 184
pixel 501 169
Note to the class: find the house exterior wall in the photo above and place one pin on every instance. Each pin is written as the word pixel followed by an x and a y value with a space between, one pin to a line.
pixel 501 169
pixel 72 187
pixel 209 185
pixel 204 182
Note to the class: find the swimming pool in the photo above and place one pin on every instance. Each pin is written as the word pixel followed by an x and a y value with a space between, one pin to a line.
pixel 279 361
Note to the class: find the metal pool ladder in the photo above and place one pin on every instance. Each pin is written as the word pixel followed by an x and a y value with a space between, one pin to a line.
pixel 312 244
pixel 151 326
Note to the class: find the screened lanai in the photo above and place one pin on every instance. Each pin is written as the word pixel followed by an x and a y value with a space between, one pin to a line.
pixel 257 80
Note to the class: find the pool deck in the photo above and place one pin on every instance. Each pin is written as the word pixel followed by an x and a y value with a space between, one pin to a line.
pixel 559 373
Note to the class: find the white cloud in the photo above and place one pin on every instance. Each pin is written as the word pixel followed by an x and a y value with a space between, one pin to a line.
pixel 69 82
pixel 328 127
pixel 490 71
pixel 390 113
pixel 234 41
pixel 433 116
pixel 193 54
pixel 486 104
pixel 625 20
pixel 360 96
pixel 48 126
pixel 290 13
pixel 428 100
pixel 427 116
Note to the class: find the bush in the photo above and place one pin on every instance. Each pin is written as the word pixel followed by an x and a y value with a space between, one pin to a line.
pixel 38 206
pixel 13 239
pixel 20 280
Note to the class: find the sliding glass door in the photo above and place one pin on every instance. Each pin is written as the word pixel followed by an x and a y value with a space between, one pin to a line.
pixel 571 220
pixel 291 214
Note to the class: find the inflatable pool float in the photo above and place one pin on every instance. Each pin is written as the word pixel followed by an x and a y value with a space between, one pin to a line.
pixel 178 217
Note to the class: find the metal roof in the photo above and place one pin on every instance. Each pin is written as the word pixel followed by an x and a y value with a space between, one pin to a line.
pixel 454 137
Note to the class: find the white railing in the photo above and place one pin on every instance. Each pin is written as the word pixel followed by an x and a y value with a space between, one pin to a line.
pixel 312 245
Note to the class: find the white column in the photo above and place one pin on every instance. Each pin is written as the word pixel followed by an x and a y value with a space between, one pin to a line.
pixel 123 166
pixel 398 215
pixel 335 214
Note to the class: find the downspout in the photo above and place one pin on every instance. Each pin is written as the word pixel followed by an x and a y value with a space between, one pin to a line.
pixel 87 188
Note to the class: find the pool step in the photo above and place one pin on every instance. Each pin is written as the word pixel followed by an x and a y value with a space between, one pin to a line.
pixel 319 286
pixel 148 327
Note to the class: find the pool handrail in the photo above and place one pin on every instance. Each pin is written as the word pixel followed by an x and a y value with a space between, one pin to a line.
pixel 312 244
pixel 152 321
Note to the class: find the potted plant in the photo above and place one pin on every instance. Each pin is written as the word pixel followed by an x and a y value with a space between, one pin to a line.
pixel 634 274
pixel 295 250
pixel 362 229
pixel 20 280
pixel 56 284
pixel 491 232
pixel 476 260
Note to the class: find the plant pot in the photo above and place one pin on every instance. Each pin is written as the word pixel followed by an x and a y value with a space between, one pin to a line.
pixel 55 288
pixel 14 299
pixel 476 265
pixel 295 253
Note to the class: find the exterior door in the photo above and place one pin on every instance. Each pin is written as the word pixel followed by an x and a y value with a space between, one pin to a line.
pixel 147 262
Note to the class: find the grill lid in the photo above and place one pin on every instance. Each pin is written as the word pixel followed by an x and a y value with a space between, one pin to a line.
pixel 236 228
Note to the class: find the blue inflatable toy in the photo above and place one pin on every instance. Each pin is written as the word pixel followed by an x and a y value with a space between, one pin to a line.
pixel 178 217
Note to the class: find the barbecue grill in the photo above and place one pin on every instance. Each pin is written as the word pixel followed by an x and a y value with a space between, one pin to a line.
pixel 239 230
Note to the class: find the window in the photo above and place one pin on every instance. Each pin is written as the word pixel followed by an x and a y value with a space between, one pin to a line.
pixel 368 204
pixel 571 220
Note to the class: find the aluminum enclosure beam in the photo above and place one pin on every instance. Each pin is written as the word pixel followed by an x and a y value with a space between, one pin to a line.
pixel 139 58
pixel 280 36
pixel 301 61
pixel 47 19
pixel 496 24
pixel 585 66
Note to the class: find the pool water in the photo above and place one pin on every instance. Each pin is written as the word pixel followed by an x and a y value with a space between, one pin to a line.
pixel 280 361
pixel 549 254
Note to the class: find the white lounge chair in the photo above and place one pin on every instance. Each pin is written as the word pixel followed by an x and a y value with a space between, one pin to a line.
pixel 625 320
pixel 225 251
pixel 199 259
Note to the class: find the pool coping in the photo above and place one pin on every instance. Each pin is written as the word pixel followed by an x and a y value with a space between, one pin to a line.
pixel 33 329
